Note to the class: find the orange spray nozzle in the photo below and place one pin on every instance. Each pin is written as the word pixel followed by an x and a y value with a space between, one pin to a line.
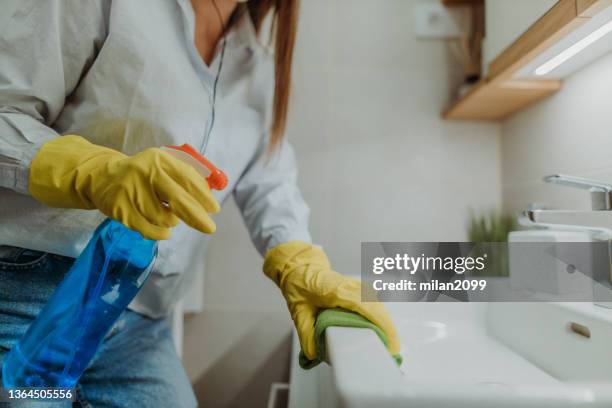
pixel 217 180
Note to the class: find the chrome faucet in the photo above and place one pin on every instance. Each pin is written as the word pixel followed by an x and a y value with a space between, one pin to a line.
pixel 597 221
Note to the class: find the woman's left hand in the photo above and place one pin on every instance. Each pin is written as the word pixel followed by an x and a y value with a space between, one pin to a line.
pixel 304 275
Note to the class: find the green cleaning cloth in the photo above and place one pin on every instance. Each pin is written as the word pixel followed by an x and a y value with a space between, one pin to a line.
pixel 342 318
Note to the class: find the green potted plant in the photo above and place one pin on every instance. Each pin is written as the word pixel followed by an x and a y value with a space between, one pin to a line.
pixel 486 230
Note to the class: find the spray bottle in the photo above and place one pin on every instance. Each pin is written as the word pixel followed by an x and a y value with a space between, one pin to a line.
pixel 62 340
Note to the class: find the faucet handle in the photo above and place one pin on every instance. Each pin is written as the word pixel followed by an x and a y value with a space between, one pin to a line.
pixel 601 193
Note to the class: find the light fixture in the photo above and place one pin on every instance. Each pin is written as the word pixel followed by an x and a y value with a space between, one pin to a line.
pixel 570 52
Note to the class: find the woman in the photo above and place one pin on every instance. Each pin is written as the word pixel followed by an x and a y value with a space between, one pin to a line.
pixel 88 92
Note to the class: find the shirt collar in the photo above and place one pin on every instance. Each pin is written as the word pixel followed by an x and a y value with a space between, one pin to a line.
pixel 243 33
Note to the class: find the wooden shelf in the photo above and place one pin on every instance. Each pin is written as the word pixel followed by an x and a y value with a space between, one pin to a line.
pixel 498 99
pixel 499 96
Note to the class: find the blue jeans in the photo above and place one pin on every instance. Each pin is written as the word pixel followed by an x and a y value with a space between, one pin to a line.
pixel 136 365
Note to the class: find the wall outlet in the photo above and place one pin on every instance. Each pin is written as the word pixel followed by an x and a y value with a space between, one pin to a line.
pixel 434 21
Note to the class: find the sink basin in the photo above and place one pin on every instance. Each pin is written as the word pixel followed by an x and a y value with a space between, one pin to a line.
pixel 479 355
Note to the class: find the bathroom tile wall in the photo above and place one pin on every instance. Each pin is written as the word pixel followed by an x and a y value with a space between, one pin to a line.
pixel 569 133
pixel 376 163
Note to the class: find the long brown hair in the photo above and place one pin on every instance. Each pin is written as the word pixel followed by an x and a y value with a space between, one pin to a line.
pixel 284 28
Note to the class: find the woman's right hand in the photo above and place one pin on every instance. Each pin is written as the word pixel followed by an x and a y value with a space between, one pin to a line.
pixel 148 192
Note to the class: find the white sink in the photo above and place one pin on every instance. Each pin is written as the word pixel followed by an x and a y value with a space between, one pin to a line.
pixel 476 355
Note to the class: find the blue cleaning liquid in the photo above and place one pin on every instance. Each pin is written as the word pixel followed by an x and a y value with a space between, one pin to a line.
pixel 61 342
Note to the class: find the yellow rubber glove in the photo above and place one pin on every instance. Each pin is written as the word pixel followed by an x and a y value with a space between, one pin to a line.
pixel 70 172
pixel 304 275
